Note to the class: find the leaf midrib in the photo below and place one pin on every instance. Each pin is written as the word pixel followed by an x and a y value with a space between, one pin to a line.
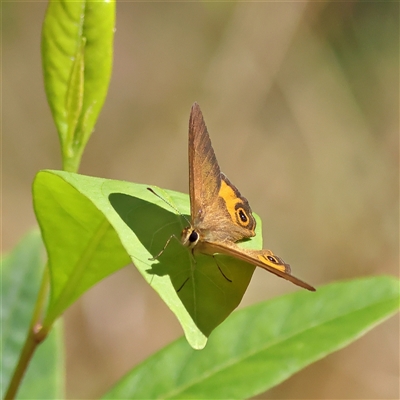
pixel 80 266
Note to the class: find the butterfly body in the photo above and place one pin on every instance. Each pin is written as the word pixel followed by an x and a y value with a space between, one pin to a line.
pixel 220 215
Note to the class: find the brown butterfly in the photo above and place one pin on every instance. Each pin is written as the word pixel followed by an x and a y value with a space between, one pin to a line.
pixel 220 215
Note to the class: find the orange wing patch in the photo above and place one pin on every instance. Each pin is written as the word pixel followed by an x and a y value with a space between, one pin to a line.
pixel 267 257
pixel 237 206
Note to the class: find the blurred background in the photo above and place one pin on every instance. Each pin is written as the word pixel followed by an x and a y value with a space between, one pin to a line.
pixel 302 105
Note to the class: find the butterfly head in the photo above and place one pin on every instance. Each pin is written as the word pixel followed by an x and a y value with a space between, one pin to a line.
pixel 190 237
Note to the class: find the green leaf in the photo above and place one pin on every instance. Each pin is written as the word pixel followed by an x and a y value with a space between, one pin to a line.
pixel 90 225
pixel 22 270
pixel 77 48
pixel 262 345
pixel 82 246
pixel 20 280
pixel 75 93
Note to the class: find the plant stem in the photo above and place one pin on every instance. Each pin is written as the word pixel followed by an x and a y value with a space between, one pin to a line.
pixel 71 162
pixel 36 334
pixel 29 348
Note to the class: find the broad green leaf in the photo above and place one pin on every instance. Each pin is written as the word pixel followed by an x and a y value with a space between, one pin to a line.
pixel 260 346
pixel 90 225
pixel 22 271
pixel 82 246
pixel 77 48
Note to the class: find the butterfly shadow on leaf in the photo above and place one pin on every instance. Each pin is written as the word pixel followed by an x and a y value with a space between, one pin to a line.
pixel 204 291
pixel 152 225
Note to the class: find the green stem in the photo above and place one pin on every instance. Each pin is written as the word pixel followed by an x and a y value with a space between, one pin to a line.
pixel 36 334
pixel 71 163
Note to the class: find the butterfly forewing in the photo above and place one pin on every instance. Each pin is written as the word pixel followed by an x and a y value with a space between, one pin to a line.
pixel 219 212
pixel 204 172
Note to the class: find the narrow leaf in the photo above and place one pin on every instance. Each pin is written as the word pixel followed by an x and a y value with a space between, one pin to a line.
pixel 77 48
pixel 75 93
pixel 262 345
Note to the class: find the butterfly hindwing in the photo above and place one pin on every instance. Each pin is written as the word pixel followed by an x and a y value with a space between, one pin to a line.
pixel 265 259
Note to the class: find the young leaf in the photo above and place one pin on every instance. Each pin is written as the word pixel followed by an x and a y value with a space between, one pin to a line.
pixel 22 270
pixel 90 225
pixel 260 346
pixel 77 48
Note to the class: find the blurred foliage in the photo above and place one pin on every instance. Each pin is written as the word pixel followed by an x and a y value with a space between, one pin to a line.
pixel 363 37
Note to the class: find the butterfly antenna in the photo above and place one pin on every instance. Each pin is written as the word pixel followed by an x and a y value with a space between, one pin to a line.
pixel 171 205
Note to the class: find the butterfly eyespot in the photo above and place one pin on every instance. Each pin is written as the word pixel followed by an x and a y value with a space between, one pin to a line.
pixel 242 215
pixel 272 259
pixel 193 237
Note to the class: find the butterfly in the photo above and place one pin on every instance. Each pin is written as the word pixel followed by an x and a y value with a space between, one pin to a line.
pixel 220 215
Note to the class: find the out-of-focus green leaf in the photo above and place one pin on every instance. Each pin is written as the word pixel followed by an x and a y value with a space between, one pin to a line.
pixel 22 271
pixel 260 346
pixel 77 49
pixel 90 225
pixel 45 377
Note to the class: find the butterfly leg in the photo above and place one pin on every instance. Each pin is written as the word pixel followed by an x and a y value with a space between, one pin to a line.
pixel 220 270
pixel 162 250
pixel 183 284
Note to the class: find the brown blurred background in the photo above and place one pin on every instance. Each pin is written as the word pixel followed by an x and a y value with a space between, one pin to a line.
pixel 302 104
